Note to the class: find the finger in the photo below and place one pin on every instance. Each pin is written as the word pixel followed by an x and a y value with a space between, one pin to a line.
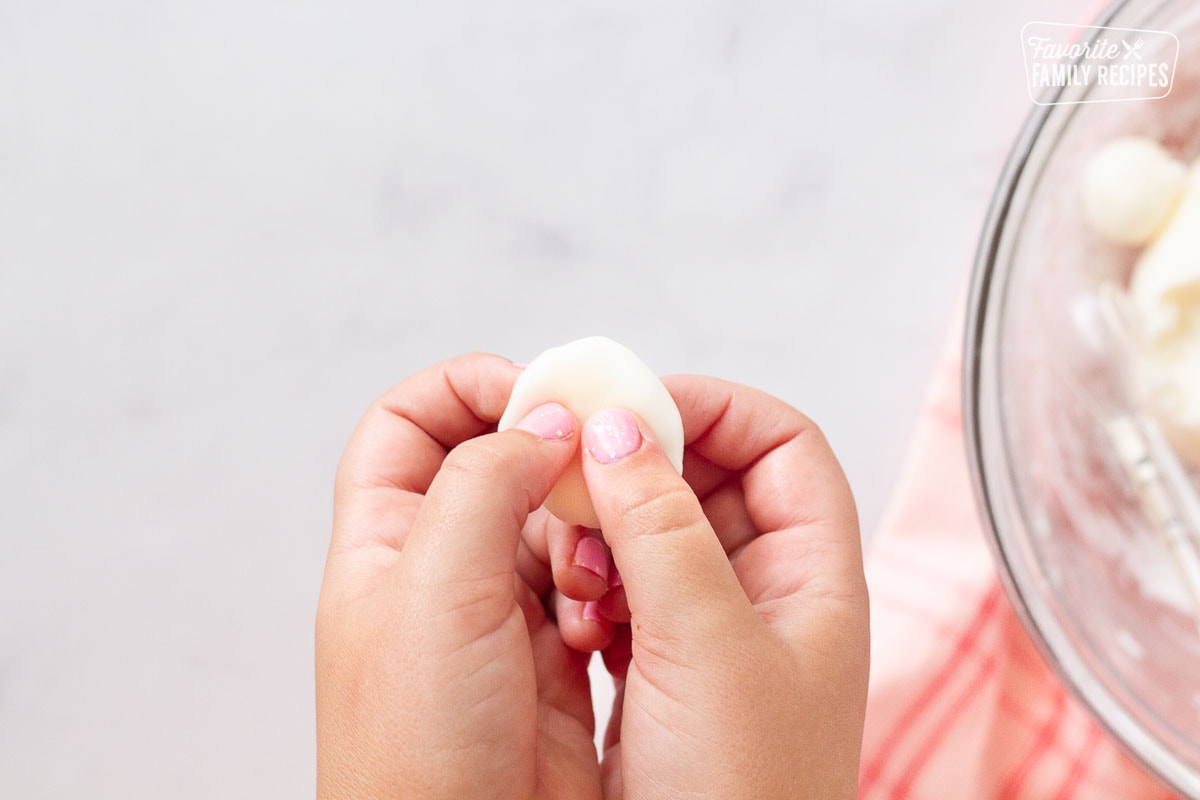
pixel 580 564
pixel 611 775
pixel 736 427
pixel 581 625
pixel 467 531
pixel 533 570
pixel 531 604
pixel 676 575
pixel 561 672
pixel 701 474
pixel 612 732
pixel 619 653
pixel 400 443
pixel 576 556
pixel 792 481
pixel 797 495
pixel 614 605
pixel 725 508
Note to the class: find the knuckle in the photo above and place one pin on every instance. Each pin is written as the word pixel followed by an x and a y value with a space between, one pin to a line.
pixel 478 460
pixel 659 509
pixel 485 468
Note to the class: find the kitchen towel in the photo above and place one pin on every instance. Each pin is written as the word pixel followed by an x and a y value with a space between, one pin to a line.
pixel 961 704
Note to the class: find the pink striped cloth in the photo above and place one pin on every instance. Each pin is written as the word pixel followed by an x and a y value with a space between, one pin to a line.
pixel 961 705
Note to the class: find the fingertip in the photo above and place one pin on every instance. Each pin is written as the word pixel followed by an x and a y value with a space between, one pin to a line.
pixel 590 567
pixel 610 435
pixel 581 625
pixel 549 422
pixel 615 605
pixel 580 563
pixel 591 613
pixel 591 554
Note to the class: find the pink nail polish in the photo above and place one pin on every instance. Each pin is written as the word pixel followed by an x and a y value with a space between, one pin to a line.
pixel 548 421
pixel 590 554
pixel 591 611
pixel 611 435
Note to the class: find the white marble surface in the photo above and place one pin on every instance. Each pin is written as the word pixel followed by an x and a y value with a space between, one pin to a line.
pixel 225 227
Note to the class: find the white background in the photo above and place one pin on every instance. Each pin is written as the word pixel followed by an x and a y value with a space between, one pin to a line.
pixel 225 227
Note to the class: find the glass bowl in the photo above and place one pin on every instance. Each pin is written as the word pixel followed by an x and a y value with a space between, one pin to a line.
pixel 1075 511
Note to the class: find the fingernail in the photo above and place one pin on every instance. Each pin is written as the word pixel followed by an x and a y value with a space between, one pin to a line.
pixel 548 421
pixel 590 554
pixel 591 611
pixel 611 435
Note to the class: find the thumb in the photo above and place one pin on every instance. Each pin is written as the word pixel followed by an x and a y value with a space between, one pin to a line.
pixel 469 524
pixel 677 577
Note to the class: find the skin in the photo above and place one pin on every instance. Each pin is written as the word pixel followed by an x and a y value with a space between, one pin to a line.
pixel 452 632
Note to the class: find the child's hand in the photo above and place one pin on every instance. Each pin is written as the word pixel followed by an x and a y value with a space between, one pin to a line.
pixel 747 671
pixel 438 673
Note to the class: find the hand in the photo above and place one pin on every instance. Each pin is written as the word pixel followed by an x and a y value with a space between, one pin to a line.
pixel 430 684
pixel 745 667
pixel 438 672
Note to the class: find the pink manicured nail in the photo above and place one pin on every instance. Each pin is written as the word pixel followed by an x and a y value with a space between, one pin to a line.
pixel 548 421
pixel 590 554
pixel 611 435
pixel 591 611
